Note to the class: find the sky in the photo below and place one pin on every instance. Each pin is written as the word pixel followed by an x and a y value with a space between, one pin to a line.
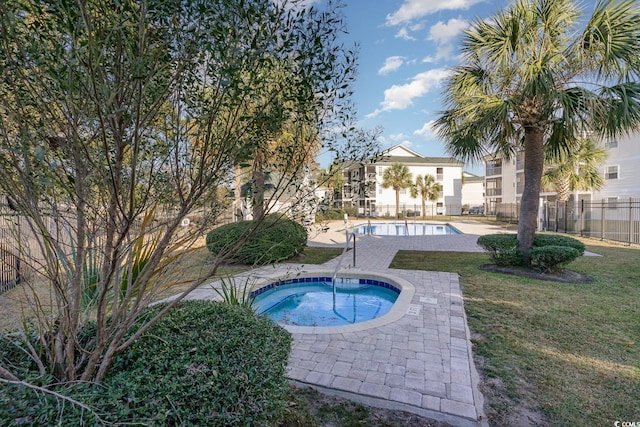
pixel 407 48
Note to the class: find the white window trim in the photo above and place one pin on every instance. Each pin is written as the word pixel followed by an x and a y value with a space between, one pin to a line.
pixel 606 171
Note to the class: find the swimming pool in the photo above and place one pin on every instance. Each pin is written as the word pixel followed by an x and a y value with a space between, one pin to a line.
pixel 310 301
pixel 404 229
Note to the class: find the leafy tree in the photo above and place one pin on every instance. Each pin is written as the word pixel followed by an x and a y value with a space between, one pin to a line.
pixel 285 132
pixel 575 171
pixel 398 177
pixel 333 179
pixel 533 79
pixel 109 109
pixel 428 189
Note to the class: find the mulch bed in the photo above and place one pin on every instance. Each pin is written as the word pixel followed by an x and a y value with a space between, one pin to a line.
pixel 565 276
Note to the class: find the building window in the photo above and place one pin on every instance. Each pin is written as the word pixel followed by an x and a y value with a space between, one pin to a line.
pixel 611 172
pixel 612 203
pixel 494 167
pixel 439 174
pixel 520 183
pixel 494 187
pixel 520 160
pixel 611 143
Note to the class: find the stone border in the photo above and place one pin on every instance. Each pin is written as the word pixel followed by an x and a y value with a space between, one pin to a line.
pixel 397 311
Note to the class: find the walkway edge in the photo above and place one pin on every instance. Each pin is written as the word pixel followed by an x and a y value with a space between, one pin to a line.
pixel 390 404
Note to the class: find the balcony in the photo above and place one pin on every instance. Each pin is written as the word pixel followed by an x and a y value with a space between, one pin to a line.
pixel 492 192
pixel 494 171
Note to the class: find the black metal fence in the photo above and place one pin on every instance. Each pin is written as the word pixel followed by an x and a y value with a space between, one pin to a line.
pixel 617 220
pixel 608 219
pixel 407 210
pixel 10 271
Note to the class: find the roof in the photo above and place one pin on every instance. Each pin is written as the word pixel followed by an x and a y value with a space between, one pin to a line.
pixel 447 161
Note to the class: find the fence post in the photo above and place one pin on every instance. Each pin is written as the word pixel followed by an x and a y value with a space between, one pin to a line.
pixel 581 216
pixel 602 220
pixel 630 219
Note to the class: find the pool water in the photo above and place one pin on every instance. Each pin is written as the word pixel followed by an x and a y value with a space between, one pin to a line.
pixel 313 304
pixel 402 229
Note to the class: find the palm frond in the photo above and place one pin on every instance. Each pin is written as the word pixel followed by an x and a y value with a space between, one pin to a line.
pixel 609 43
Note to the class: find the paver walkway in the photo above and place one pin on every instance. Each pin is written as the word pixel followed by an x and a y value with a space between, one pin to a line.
pixel 421 361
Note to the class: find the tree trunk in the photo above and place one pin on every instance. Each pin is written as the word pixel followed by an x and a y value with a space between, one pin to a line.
pixel 424 208
pixel 563 188
pixel 257 186
pixel 237 196
pixel 533 168
pixel 397 202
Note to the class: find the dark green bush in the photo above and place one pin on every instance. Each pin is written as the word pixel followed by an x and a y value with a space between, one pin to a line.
pixel 551 258
pixel 275 239
pixel 204 363
pixel 503 248
pixel 558 240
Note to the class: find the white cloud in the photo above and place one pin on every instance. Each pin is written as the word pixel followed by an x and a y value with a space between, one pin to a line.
pixel 372 114
pixel 407 143
pixel 443 33
pixel 414 9
pixel 392 63
pixel 399 97
pixel 404 34
pixel 444 51
pixel 427 130
pixel 398 137
pixel 428 59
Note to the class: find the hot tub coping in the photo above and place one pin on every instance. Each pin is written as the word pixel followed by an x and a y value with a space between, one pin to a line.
pixel 397 311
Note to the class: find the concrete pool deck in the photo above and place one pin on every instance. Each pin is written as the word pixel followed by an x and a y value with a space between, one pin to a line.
pixel 421 361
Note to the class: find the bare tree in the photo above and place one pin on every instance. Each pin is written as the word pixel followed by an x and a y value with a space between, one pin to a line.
pixel 109 110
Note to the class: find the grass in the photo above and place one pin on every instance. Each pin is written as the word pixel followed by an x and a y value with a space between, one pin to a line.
pixel 317 255
pixel 571 351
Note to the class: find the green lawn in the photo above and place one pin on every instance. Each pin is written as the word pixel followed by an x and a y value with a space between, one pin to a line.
pixel 571 351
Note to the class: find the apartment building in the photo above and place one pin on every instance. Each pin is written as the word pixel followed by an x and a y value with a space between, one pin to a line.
pixel 363 188
pixel 504 179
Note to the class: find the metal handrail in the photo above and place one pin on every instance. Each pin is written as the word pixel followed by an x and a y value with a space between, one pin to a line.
pixel 344 251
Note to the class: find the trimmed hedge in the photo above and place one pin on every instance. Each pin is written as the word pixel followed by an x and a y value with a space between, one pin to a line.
pixel 204 363
pixel 545 255
pixel 541 240
pixel 276 239
pixel 551 258
pixel 502 248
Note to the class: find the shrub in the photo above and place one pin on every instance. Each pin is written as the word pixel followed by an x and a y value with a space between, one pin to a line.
pixel 503 248
pixel 551 258
pixel 204 363
pixel 541 240
pixel 275 239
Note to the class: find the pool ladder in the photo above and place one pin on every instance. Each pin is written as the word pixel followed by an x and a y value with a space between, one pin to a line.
pixel 344 251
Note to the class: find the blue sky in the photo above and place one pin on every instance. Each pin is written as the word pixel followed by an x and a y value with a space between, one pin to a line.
pixel 406 50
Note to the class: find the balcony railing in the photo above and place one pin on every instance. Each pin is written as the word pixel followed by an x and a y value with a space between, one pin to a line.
pixel 494 192
pixel 494 171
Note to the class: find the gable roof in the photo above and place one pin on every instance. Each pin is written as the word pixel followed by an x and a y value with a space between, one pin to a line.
pixel 399 150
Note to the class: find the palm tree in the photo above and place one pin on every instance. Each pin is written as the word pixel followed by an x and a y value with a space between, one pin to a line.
pixel 532 80
pixel 333 178
pixel 575 171
pixel 397 177
pixel 428 189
